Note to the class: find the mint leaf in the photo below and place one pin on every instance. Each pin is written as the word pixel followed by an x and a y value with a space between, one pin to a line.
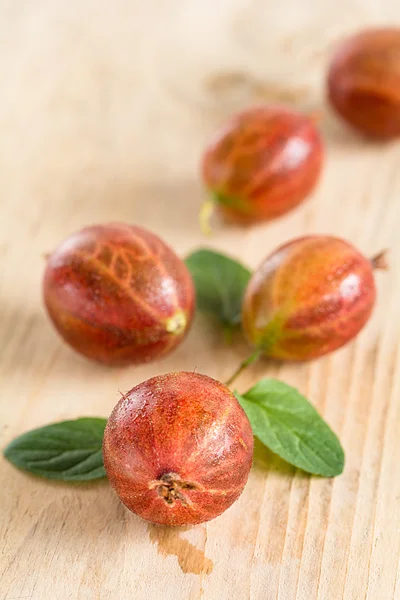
pixel 291 427
pixel 220 283
pixel 69 451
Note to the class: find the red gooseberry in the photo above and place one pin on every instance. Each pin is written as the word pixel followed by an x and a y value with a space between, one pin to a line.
pixel 262 163
pixel 309 297
pixel 118 294
pixel 364 82
pixel 178 449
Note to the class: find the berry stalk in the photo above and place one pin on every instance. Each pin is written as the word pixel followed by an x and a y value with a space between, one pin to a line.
pixel 243 365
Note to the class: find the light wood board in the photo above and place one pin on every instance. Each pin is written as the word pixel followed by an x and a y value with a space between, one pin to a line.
pixel 104 111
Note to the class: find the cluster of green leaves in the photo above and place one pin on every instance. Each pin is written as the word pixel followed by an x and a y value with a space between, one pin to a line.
pixel 280 416
pixel 72 450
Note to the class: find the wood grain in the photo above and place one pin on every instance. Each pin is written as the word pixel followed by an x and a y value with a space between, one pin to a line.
pixel 101 121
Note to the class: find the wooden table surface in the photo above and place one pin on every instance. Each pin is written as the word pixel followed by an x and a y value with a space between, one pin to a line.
pixel 104 110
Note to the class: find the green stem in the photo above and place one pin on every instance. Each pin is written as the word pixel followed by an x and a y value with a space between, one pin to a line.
pixel 228 334
pixel 205 215
pixel 246 363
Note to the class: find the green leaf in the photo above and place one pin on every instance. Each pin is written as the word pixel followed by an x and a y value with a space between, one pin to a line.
pixel 69 451
pixel 291 427
pixel 220 284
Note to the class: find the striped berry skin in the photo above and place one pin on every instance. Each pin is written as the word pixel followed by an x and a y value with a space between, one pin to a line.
pixel 309 297
pixel 178 449
pixel 118 294
pixel 363 82
pixel 262 163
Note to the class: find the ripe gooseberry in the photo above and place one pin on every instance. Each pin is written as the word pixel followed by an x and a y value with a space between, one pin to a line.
pixel 118 294
pixel 178 449
pixel 364 82
pixel 309 297
pixel 262 163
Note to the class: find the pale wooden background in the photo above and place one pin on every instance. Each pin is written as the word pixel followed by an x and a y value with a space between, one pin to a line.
pixel 104 109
